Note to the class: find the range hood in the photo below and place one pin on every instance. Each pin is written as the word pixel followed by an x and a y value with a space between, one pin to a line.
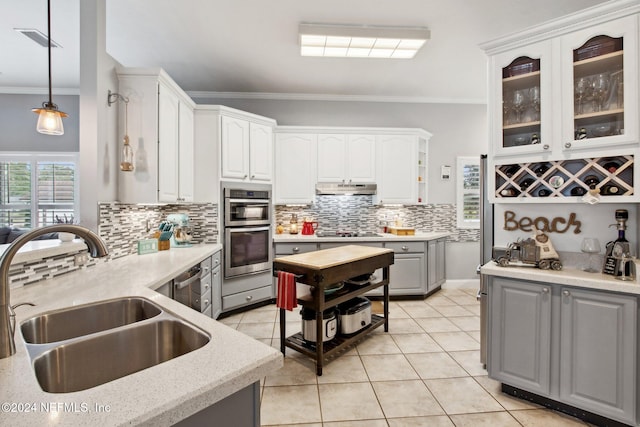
pixel 332 188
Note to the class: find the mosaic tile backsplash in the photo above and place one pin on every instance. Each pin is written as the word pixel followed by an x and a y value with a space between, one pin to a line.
pixel 360 213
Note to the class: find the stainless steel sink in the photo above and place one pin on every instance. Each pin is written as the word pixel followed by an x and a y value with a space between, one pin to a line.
pixel 99 359
pixel 81 347
pixel 87 319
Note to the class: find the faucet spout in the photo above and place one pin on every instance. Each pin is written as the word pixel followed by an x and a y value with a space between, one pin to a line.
pixel 97 248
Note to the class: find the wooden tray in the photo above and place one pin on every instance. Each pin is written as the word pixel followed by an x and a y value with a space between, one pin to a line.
pixel 402 231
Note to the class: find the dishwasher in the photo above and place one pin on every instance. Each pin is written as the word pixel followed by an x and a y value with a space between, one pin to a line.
pixel 193 287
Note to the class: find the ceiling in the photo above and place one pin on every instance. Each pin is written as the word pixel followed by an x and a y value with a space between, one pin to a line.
pixel 252 46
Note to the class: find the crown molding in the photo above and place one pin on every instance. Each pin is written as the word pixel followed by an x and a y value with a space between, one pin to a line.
pixel 333 97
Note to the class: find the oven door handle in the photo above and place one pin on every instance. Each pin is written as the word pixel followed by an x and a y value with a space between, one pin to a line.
pixel 245 229
pixel 251 202
pixel 187 278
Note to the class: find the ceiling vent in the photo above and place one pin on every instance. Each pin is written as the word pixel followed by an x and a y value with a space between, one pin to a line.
pixel 37 36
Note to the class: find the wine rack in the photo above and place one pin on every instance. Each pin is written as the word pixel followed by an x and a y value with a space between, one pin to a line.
pixel 612 176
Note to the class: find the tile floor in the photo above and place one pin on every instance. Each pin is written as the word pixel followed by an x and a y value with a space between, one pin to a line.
pixel 425 372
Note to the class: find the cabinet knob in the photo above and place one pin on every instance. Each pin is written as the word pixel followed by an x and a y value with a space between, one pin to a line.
pixel 295 250
pixel 545 147
pixel 249 298
pixel 566 293
pixel 404 248
pixel 206 303
pixel 245 177
pixel 567 145
pixel 216 261
pixel 253 176
pixel 545 290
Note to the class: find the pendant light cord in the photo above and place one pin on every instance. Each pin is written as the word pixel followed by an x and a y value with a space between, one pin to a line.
pixel 49 40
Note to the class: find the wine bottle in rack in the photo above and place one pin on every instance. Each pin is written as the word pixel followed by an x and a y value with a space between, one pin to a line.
pixel 592 181
pixel 540 169
pixel 509 192
pixel 610 190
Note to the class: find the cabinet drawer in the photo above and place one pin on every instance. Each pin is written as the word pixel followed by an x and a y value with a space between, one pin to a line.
pixel 205 266
pixel 405 247
pixel 295 248
pixel 243 298
pixel 215 260
pixel 337 244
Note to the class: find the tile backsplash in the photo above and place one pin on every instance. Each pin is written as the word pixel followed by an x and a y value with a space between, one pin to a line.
pixel 360 213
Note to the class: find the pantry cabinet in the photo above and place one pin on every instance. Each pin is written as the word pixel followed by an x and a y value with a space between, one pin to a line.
pixel 160 127
pixel 346 159
pixel 589 336
pixel 563 92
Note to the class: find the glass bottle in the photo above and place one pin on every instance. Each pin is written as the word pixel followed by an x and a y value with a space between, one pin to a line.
pixel 126 165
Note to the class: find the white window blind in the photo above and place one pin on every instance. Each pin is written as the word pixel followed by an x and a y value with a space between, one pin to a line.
pixel 468 192
pixel 37 189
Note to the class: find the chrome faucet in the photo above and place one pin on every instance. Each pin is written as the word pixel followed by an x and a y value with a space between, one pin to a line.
pixel 97 248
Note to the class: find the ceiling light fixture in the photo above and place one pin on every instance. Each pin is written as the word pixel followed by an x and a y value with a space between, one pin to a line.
pixel 49 117
pixel 361 41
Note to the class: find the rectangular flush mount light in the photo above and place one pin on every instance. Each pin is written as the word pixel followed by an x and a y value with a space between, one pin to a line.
pixel 361 41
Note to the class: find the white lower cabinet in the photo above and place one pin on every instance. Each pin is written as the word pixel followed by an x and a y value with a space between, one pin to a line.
pixel 589 336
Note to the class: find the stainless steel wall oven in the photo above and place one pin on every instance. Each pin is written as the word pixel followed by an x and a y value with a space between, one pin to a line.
pixel 247 230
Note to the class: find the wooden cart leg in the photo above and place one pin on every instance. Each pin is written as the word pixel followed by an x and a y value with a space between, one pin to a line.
pixel 283 330
pixel 319 337
pixel 385 290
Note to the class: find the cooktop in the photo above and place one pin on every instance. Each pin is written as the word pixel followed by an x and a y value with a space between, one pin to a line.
pixel 346 233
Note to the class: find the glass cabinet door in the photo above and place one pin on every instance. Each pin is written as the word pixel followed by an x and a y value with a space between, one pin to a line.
pixel 601 98
pixel 521 101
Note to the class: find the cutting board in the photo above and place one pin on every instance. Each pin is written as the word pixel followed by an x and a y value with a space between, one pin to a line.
pixel 402 231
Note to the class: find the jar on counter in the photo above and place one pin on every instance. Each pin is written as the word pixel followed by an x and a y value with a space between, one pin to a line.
pixel 279 228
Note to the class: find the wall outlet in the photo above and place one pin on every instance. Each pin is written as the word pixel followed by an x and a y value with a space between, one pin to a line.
pixel 80 259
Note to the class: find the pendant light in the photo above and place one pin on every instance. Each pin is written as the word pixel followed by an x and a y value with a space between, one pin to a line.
pixel 49 117
pixel 126 163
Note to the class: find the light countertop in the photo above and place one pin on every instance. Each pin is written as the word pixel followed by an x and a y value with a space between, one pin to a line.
pixel 569 276
pixel 327 258
pixel 39 249
pixel 157 396
pixel 384 237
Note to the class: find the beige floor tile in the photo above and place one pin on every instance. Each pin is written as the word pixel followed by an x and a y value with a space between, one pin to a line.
pixel 545 418
pixel 488 419
pixel 257 330
pixel 509 403
pixel 434 421
pixel 403 326
pixel 235 318
pixel 423 311
pixel 464 299
pixel 349 401
pixel 438 300
pixel 475 309
pixel 453 310
pixel 406 399
pixel 378 344
pixel 397 312
pixel 363 423
pixel 294 425
pixel 290 405
pixel 467 323
pixel 416 343
pixel 455 341
pixel 295 371
pixel 462 396
pixel 259 315
pixel 437 324
pixel 389 367
pixel 470 361
pixel 435 365
pixel 474 334
pixel 343 369
pixel 451 291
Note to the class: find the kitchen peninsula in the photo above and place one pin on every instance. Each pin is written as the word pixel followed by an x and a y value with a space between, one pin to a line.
pixel 163 394
pixel 565 339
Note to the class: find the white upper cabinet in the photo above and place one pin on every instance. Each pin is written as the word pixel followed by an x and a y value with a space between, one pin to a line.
pixel 161 131
pixel 247 149
pixel 346 158
pixel 397 177
pixel 295 171
pixel 600 85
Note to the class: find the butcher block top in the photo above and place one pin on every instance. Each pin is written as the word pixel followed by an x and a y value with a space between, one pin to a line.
pixel 329 266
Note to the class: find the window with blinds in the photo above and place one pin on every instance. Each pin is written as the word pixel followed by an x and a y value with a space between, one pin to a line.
pixel 37 190
pixel 468 192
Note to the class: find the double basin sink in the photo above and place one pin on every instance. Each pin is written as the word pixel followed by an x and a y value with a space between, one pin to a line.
pixel 81 347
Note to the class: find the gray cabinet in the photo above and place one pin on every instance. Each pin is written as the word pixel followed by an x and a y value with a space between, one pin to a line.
pixel 436 267
pixel 589 337
pixel 598 352
pixel 216 286
pixel 407 274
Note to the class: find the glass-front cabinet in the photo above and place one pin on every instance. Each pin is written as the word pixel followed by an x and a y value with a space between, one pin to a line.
pixel 599 86
pixel 522 107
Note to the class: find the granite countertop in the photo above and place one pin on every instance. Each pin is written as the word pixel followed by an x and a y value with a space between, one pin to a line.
pixel 384 237
pixel 161 395
pixel 569 276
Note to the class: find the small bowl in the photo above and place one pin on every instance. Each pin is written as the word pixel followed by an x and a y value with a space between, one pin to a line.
pixel 602 131
pixel 66 237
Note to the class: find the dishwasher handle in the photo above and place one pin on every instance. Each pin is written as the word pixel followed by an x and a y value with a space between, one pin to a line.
pixel 187 278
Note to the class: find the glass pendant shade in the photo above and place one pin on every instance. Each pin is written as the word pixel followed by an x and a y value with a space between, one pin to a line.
pixel 126 165
pixel 49 120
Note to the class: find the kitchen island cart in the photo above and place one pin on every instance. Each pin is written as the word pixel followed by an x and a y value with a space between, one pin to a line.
pixel 322 270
